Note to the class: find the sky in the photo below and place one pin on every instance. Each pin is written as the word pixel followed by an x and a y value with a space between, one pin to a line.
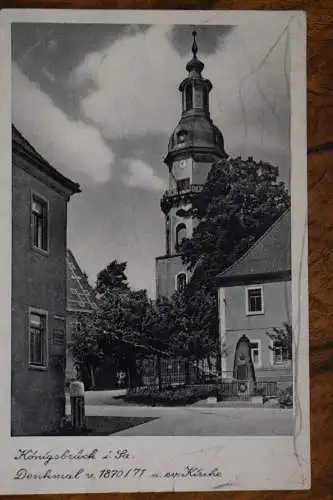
pixel 99 102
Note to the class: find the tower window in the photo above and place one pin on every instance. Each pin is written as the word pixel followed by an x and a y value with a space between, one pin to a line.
pixel 180 235
pixel 183 184
pixel 205 98
pixel 188 97
pixel 167 234
pixel 181 282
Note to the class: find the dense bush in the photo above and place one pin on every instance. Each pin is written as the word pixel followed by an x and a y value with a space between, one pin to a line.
pixel 286 398
pixel 170 396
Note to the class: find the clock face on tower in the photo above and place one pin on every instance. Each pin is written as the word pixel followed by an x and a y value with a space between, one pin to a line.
pixel 181 136
pixel 182 163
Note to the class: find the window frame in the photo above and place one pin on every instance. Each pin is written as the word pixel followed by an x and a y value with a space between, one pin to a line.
pixel 178 228
pixel 258 341
pixel 176 279
pixel 189 97
pixel 247 310
pixel 43 313
pixel 205 99
pixel 283 362
pixel 36 197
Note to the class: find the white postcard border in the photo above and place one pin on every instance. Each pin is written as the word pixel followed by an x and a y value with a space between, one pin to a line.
pixel 246 463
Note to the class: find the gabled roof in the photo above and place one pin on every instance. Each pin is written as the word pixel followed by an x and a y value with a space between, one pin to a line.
pixel 23 148
pixel 80 295
pixel 269 258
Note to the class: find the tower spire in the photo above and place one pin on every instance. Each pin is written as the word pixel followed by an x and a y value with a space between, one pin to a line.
pixel 194 45
pixel 195 64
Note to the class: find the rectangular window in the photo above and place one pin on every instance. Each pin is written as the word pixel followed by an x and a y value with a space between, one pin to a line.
pixel 37 339
pixel 183 184
pixel 254 301
pixel 281 353
pixel 256 352
pixel 39 213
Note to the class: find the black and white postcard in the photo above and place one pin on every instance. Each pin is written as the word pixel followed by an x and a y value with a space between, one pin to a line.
pixel 154 289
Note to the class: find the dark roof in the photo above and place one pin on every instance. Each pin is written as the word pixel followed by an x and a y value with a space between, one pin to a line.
pixel 22 147
pixel 270 256
pixel 80 295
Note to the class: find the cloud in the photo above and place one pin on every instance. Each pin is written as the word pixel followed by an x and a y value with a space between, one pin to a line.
pixel 135 82
pixel 133 86
pixel 73 147
pixel 142 176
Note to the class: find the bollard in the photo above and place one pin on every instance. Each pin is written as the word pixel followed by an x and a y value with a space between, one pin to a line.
pixel 76 392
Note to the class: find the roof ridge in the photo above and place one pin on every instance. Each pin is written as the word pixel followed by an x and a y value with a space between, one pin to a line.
pixel 257 242
pixel 26 148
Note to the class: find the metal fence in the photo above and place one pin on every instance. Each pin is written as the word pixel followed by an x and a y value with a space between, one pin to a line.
pixel 174 372
pixel 245 389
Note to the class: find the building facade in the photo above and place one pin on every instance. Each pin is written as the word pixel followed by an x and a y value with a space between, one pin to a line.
pixel 81 303
pixel 38 336
pixel 195 144
pixel 255 300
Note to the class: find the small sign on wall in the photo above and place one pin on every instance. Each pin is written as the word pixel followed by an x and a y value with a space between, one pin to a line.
pixel 58 340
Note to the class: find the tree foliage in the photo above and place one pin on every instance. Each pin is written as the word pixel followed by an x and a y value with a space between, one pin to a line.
pixel 194 332
pixel 121 320
pixel 238 203
pixel 112 277
pixel 85 347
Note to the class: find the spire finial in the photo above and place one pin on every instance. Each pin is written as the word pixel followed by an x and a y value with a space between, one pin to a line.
pixel 194 45
pixel 194 65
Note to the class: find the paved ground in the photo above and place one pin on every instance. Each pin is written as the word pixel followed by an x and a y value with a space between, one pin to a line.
pixel 196 420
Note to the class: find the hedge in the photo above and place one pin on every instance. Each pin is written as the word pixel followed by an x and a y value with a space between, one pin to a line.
pixel 170 396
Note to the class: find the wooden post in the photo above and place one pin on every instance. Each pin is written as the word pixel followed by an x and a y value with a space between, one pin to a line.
pixel 76 392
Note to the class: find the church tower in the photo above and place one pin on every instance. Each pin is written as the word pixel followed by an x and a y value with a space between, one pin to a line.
pixel 195 144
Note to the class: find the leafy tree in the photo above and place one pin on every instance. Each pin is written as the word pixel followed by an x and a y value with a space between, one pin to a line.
pixel 120 321
pixel 282 339
pixel 111 277
pixel 238 203
pixel 86 350
pixel 159 329
pixel 194 334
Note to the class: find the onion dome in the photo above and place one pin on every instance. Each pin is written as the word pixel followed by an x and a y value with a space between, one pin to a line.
pixel 195 132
